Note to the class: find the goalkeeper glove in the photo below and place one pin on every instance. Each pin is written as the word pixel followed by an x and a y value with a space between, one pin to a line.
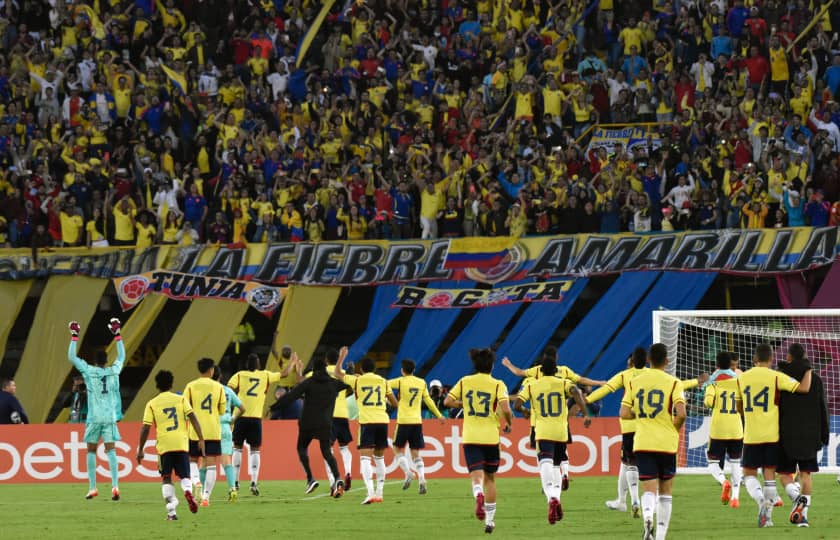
pixel 74 329
pixel 114 326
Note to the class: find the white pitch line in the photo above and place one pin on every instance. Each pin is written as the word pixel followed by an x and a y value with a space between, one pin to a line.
pixel 322 495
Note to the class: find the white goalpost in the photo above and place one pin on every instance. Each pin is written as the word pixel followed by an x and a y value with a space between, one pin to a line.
pixel 694 338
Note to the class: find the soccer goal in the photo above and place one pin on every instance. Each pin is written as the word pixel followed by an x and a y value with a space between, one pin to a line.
pixel 694 338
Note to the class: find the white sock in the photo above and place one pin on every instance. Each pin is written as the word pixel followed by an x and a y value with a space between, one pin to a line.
pixel 254 466
pixel 547 478
pixel 209 482
pixel 186 485
pixel 347 459
pixel 330 476
pixel 194 477
pixel 379 461
pixel 490 511
pixel 663 516
pixel 793 491
pixel 716 472
pixel 421 469
pixel 770 494
pixel 477 490
pixel 648 505
pixel 622 484
pixel 367 474
pixel 168 491
pixel 807 504
pixel 754 489
pixel 558 482
pixel 737 475
pixel 633 484
pixel 564 468
pixel 237 462
pixel 402 461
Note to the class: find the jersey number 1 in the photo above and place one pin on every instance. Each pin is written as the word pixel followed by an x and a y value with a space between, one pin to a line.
pixel 104 385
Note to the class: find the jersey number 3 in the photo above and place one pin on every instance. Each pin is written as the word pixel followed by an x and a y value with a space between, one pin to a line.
pixel 172 413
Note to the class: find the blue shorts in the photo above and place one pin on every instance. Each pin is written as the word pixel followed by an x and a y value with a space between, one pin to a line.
pixel 373 436
pixel 656 465
pixel 107 432
pixel 227 440
pixel 177 462
pixel 482 457
pixel 760 456
pixel 553 450
pixel 410 434
pixel 341 432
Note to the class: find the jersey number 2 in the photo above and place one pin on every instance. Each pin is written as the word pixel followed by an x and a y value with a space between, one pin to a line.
pixel 254 383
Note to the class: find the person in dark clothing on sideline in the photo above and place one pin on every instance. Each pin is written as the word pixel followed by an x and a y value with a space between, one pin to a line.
pixel 803 431
pixel 11 411
pixel 319 393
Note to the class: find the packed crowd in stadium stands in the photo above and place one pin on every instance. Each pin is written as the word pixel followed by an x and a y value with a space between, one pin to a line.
pixel 133 122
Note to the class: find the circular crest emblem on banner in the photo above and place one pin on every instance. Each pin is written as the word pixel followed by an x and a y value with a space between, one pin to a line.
pixel 264 299
pixel 133 289
pixel 508 266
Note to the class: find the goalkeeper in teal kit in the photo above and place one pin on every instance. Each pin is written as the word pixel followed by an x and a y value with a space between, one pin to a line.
pixel 104 404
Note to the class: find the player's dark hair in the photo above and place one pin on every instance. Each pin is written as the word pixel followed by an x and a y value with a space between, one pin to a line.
pixel 483 360
pixel 319 365
pixel 796 352
pixel 100 358
pixel 764 353
pixel 408 366
pixel 658 355
pixel 548 366
pixel 550 352
pixel 639 357
pixel 723 360
pixel 164 380
pixel 205 364
pixel 252 363
pixel 5 382
pixel 367 365
pixel 331 357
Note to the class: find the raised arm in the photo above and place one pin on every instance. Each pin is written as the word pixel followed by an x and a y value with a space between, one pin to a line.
pixel 338 372
pixel 513 369
pixel 115 326
pixel 77 362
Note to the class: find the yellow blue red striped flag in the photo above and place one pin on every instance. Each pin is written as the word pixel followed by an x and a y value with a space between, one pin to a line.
pixel 477 251
pixel 178 80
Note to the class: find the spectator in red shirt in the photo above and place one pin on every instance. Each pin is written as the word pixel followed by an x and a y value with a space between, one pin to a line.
pixel 757 27
pixel 758 68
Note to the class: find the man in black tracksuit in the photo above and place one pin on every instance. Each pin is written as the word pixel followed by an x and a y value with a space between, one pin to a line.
pixel 319 393
pixel 803 431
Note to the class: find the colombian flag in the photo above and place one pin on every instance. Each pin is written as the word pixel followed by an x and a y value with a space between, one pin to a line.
pixel 477 252
pixel 179 82
pixel 97 29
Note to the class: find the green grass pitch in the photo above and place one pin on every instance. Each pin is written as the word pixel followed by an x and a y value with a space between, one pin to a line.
pixel 283 511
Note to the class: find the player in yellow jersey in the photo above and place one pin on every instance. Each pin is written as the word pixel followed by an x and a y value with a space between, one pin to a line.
pixel 251 385
pixel 726 434
pixel 758 398
pixel 562 371
pixel 547 396
pixel 373 394
pixel 208 402
pixel 628 473
pixel 483 400
pixel 656 401
pixel 169 413
pixel 412 394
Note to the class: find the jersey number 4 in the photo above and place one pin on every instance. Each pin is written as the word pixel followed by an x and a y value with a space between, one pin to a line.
pixel 207 404
pixel 655 400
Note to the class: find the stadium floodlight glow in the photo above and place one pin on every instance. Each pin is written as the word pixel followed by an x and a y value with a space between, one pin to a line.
pixel 694 337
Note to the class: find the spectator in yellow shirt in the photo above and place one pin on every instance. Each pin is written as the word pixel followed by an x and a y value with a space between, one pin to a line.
pixel 146 231
pixel 124 213
pixel 355 223
pixel 71 226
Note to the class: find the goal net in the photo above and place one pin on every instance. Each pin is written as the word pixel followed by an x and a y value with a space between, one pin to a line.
pixel 694 338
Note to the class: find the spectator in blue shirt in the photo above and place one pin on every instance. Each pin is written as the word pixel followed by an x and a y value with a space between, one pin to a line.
pixel 11 411
pixel 195 208
pixel 736 17
pixel 633 64
pixel 721 44
pixel 832 77
pixel 818 210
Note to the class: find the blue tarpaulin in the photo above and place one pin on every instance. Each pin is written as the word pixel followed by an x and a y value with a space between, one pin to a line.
pixel 533 329
pixel 426 330
pixel 381 315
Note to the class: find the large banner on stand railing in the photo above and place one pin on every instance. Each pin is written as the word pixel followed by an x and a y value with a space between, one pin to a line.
pixel 751 252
